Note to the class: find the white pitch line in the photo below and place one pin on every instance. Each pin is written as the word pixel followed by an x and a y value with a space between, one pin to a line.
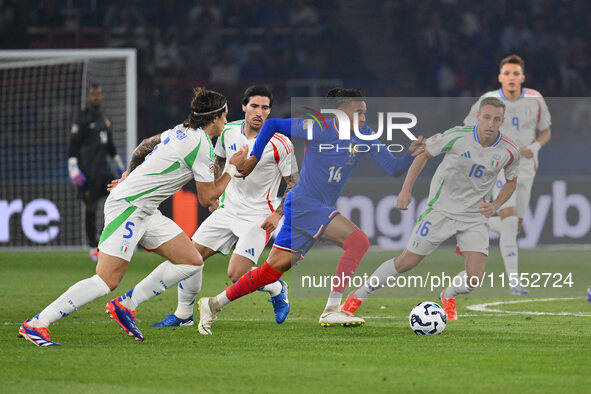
pixel 487 307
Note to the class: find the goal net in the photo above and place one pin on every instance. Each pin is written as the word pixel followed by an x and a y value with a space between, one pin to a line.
pixel 41 94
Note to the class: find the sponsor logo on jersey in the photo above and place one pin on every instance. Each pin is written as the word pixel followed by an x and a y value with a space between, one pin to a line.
pixel 232 147
pixel 466 154
pixel 250 251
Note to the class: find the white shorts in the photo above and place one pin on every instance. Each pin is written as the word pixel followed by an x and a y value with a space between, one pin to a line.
pixel 435 227
pixel 126 226
pixel 223 229
pixel 525 180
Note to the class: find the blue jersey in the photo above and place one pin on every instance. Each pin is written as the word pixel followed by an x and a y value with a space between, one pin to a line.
pixel 329 160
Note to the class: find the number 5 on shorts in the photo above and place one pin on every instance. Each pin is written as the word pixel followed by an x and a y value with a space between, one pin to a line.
pixel 128 227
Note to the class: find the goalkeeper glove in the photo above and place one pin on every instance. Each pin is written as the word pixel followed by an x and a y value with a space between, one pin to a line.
pixel 77 178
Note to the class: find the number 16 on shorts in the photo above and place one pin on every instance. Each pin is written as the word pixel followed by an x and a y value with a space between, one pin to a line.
pixel 423 228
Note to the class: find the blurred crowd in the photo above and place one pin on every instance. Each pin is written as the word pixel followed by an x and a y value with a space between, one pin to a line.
pixel 456 45
pixel 450 47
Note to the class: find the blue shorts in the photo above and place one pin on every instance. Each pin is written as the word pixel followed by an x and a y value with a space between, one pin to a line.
pixel 304 223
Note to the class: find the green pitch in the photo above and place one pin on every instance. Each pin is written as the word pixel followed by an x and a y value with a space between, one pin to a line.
pixel 483 351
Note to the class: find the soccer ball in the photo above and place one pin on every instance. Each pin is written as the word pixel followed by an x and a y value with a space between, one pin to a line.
pixel 427 318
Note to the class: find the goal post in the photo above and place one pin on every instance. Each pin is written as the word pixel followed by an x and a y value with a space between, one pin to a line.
pixel 41 94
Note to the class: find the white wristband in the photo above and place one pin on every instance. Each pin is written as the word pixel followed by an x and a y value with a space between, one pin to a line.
pixel 231 170
pixel 535 147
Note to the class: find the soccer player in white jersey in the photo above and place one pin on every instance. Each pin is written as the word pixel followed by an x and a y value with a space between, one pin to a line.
pixel 526 112
pixel 248 211
pixel 457 205
pixel 132 217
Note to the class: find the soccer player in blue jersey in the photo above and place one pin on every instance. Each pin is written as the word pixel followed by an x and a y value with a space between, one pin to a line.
pixel 310 212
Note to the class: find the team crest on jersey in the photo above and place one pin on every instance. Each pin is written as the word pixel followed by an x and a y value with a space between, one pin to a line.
pixel 353 150
pixel 495 161
pixel 211 168
pixel 124 246
pixel 107 122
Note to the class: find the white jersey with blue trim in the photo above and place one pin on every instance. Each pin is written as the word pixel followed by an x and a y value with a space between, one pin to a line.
pixel 183 154
pixel 468 171
pixel 255 195
pixel 522 117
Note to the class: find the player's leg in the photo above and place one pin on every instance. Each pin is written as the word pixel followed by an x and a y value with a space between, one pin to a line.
pixel 109 271
pixel 278 262
pixel 187 291
pixel 474 241
pixel 507 225
pixel 166 238
pixel 213 235
pixel 355 244
pixel 386 272
pixel 429 232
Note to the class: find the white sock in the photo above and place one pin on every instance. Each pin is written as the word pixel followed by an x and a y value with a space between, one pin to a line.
pixel 508 245
pixel 334 300
pixel 458 286
pixel 494 222
pixel 163 276
pixel 187 292
pixel 272 288
pixel 222 299
pixel 77 295
pixel 377 280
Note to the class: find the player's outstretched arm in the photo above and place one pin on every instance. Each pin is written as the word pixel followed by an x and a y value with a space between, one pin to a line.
pixel 270 127
pixel 489 208
pixel 405 195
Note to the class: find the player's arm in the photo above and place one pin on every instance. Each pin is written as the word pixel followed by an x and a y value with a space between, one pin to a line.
pixel 528 151
pixel 396 166
pixel 489 208
pixel 218 166
pixel 144 149
pixel 271 222
pixel 209 192
pixel 74 145
pixel 405 195
pixel 270 127
pixel 113 153
pixel 137 157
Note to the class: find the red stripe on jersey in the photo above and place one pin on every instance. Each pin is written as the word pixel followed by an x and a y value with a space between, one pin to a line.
pixel 535 164
pixel 285 144
pixel 269 202
pixel 510 142
pixel 510 161
pixel 532 92
pixel 275 153
pixel 283 248
pixel 267 238
pixel 539 111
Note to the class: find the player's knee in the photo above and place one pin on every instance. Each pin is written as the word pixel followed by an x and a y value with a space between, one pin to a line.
pixel 235 274
pixel 357 240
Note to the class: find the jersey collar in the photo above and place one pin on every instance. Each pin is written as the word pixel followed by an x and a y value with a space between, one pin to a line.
pixel 475 133
pixel 505 98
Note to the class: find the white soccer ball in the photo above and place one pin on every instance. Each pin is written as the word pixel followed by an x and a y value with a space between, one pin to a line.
pixel 427 318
